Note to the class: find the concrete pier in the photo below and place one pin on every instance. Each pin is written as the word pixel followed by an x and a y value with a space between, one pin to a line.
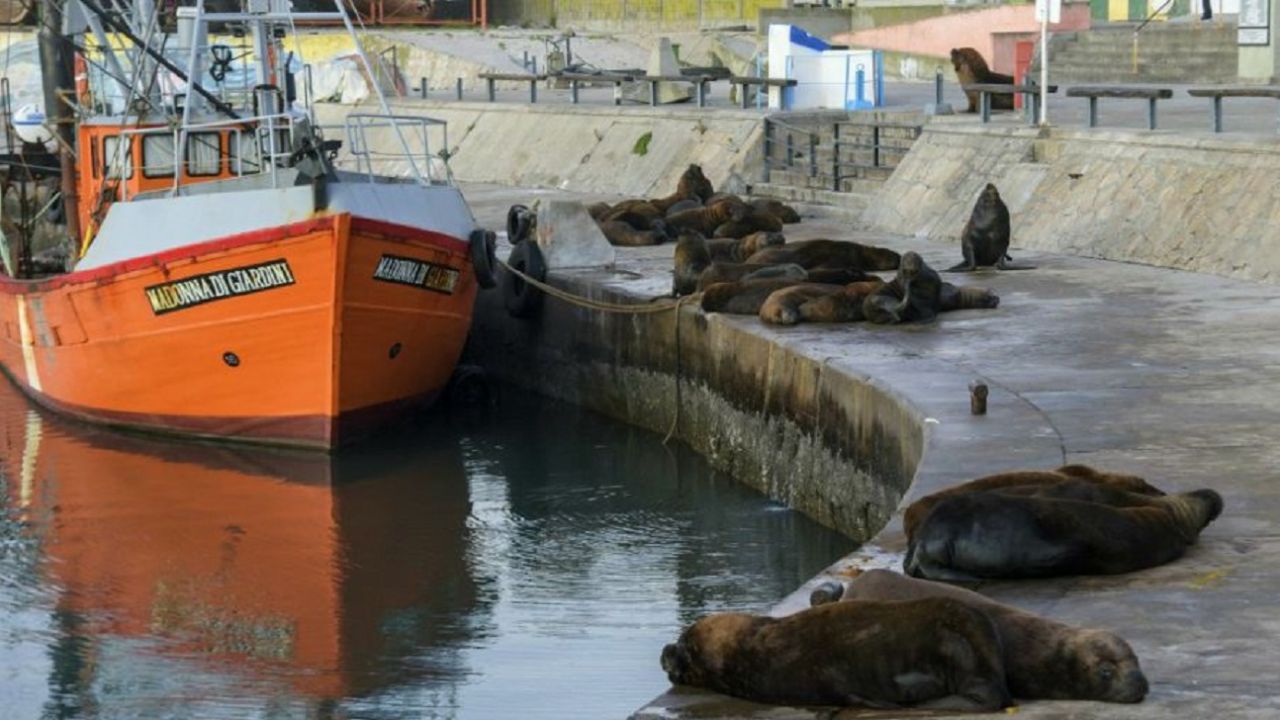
pixel 1163 373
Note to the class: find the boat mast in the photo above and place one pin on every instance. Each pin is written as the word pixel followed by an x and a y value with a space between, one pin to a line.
pixel 58 82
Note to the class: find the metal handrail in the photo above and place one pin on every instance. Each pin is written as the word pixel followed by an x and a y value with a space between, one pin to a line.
pixel 357 125
pixel 831 163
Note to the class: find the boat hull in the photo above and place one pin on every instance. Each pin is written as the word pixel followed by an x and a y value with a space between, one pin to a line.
pixel 312 333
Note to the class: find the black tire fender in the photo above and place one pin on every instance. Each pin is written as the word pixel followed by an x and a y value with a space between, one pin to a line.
pixel 522 299
pixel 520 223
pixel 481 247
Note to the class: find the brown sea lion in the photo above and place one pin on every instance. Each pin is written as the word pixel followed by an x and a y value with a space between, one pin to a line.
pixel 692 184
pixel 811 254
pixel 914 294
pixel 776 208
pixel 622 234
pixel 816 303
pixel 639 214
pixel 743 297
pixel 1043 658
pixel 598 210
pixel 691 258
pixel 686 204
pixel 754 221
pixel 720 272
pixel 971 69
pixel 1033 479
pixel 1008 535
pixel 705 220
pixel 738 250
pixel 953 297
pixel 985 240
pixel 932 653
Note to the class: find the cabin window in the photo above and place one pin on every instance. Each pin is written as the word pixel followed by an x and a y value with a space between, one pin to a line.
pixel 95 160
pixel 157 156
pixel 117 160
pixel 204 153
pixel 246 157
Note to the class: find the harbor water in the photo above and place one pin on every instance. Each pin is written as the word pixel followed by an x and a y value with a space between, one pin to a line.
pixel 527 562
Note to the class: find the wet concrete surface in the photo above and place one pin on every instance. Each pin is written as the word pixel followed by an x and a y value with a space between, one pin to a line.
pixel 1167 374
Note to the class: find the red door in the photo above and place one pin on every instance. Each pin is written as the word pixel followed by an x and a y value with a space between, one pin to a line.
pixel 1022 52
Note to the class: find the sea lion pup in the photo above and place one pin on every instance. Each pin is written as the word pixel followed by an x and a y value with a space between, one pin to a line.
pixel 1033 479
pixel 1043 658
pixel 639 214
pixel 745 296
pixel 776 208
pixel 811 254
pixel 985 240
pixel 738 250
pixel 816 303
pixel 754 221
pixel 914 294
pixel 971 69
pixel 953 297
pixel 1007 535
pixel 621 234
pixel 706 219
pixel 931 653
pixel 692 184
pixel 691 258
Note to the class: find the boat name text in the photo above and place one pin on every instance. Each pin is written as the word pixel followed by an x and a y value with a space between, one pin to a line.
pixel 200 289
pixel 425 275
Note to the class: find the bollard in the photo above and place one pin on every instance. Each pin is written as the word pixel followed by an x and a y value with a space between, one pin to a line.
pixel 459 88
pixel 978 397
pixel 828 591
pixel 422 87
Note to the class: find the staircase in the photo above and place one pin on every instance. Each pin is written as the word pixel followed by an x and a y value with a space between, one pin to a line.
pixel 1168 52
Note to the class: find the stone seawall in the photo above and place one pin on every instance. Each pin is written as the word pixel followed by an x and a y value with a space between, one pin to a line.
pixel 832 444
pixel 1179 201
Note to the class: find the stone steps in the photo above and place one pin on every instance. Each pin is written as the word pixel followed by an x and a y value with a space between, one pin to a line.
pixel 1167 53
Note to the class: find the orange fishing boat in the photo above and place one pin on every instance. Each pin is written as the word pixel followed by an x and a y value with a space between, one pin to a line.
pixel 245 288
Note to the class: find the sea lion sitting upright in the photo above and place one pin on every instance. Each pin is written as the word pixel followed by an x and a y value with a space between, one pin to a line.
pixel 914 294
pixel 1043 658
pixel 738 250
pixel 692 184
pixel 933 653
pixel 817 303
pixel 811 254
pixel 691 258
pixel 1002 534
pixel 971 69
pixel 985 240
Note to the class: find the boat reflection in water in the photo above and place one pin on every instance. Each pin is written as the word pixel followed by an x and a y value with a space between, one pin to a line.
pixel 534 563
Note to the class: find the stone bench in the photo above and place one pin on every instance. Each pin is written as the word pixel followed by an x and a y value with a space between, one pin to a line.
pixel 1134 92
pixel 1030 95
pixel 742 82
pixel 575 79
pixel 1217 92
pixel 533 81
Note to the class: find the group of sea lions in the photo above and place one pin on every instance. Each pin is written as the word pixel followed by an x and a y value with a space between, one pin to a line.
pixel 888 640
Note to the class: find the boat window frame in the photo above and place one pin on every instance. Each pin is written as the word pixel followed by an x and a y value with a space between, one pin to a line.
pixel 107 156
pixel 173 162
pixel 237 164
pixel 194 137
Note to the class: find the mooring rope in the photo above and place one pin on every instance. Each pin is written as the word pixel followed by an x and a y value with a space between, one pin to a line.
pixel 624 309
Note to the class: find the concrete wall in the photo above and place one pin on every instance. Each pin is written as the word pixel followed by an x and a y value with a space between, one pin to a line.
pixel 628 14
pixel 1194 203
pixel 587 149
pixel 829 443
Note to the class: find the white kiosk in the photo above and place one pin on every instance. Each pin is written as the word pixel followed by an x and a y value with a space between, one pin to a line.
pixel 826 78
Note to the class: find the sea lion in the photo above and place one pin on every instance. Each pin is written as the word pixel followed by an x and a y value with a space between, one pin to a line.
pixel 1033 479
pixel 817 303
pixel 692 184
pixel 1043 658
pixel 743 297
pixel 932 653
pixel 720 272
pixel 622 234
pixel 737 250
pixel 971 69
pixel 985 240
pixel 754 221
pixel 639 214
pixel 686 204
pixel 914 294
pixel 706 219
pixel 598 210
pixel 691 258
pixel 1007 535
pixel 776 208
pixel 953 297
pixel 811 254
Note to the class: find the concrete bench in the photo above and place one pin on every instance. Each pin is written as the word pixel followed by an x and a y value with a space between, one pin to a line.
pixel 1217 92
pixel 699 81
pixel 1134 92
pixel 1030 97
pixel 742 83
pixel 575 79
pixel 533 81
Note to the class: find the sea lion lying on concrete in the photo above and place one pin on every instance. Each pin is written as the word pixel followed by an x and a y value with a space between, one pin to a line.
pixel 1027 481
pixel 639 214
pixel 811 254
pixel 621 234
pixel 754 221
pixel 738 250
pixel 817 303
pixel 776 208
pixel 723 272
pixel 691 258
pixel 932 653
pixel 953 297
pixel 745 297
pixel 1043 658
pixel 914 294
pixel 692 184
pixel 686 204
pixel 706 219
pixel 597 210
pixel 1006 534
pixel 971 69
pixel 985 240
